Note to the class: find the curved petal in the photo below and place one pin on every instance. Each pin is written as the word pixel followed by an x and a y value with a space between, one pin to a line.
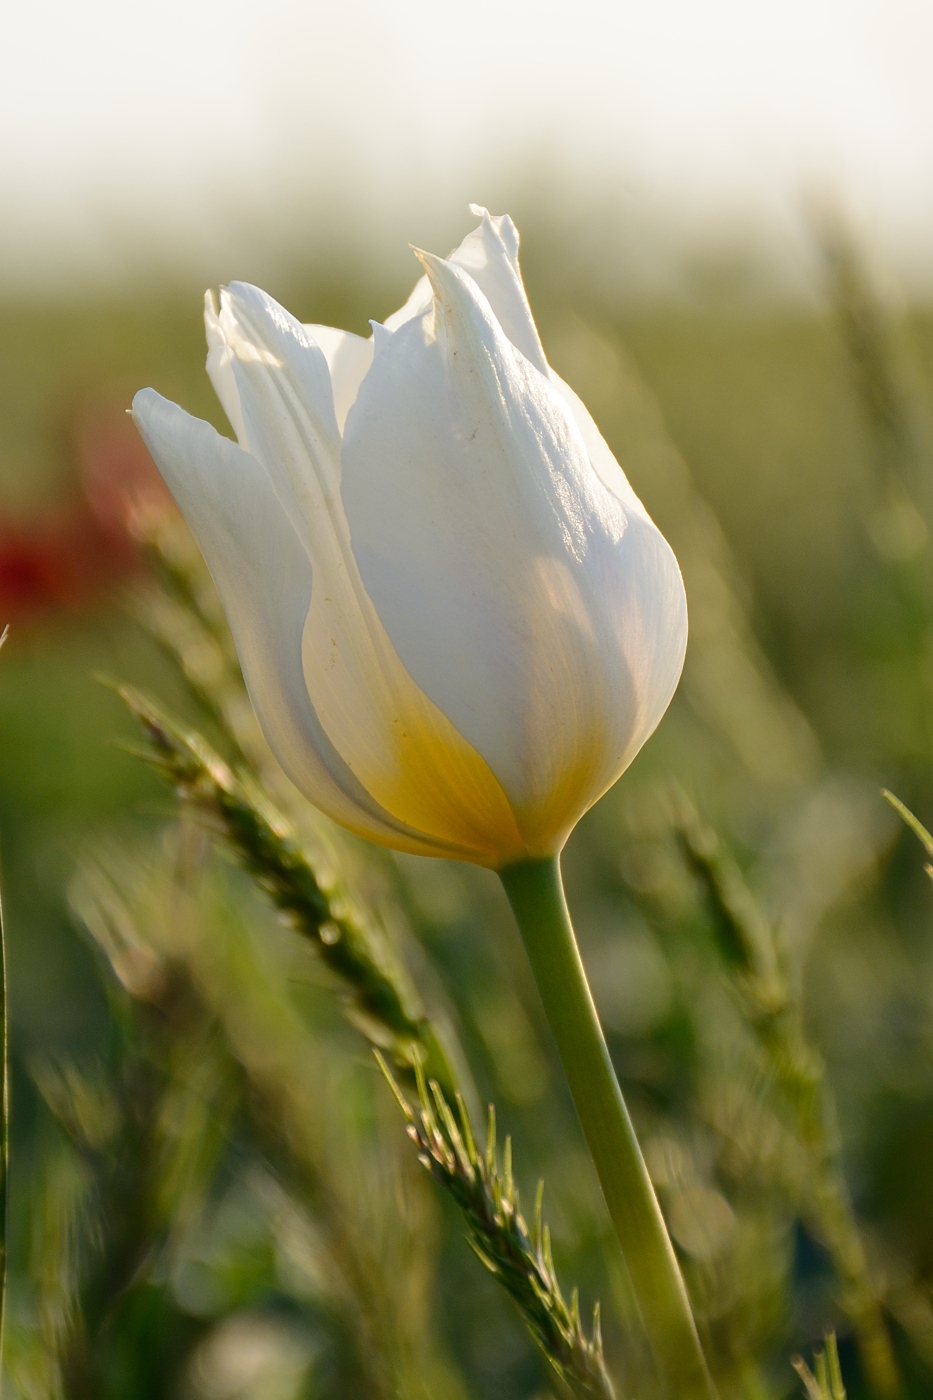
pixel 274 384
pixel 403 750
pixel 489 254
pixel 348 358
pixel 419 300
pixel 220 368
pixel 264 578
pixel 543 617
pixel 598 450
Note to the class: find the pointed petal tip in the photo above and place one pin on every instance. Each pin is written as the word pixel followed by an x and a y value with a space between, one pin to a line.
pixel 426 259
pixel 153 415
pixel 143 400
pixel 234 294
pixel 213 330
pixel 429 261
pixel 236 291
pixel 246 292
pixel 437 270
pixel 381 336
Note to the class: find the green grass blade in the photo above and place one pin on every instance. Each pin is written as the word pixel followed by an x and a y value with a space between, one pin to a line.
pixel 916 826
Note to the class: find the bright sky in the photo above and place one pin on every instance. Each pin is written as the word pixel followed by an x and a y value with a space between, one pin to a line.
pixel 184 117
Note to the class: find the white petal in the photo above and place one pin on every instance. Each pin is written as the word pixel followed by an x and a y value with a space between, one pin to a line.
pixel 220 368
pixel 263 575
pixel 403 750
pixel 490 255
pixel 283 400
pixel 348 358
pixel 546 620
pixel 420 299
pixel 600 453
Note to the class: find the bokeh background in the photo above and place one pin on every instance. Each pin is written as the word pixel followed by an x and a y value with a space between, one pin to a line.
pixel 727 223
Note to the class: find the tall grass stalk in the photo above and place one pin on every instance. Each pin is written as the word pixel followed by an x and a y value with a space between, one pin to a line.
pixel 384 1006
pixel 225 1045
pixel 749 948
pixel 886 380
pixel 519 1258
pixel 380 998
pixel 825 1381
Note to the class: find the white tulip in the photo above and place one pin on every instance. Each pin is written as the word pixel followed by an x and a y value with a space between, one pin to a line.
pixel 456 621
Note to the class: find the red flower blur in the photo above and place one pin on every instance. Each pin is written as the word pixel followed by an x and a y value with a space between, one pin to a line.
pixel 72 557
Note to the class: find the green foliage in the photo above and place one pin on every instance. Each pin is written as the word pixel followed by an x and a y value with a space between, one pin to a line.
pixel 750 947
pixel 522 1260
pixel 383 1005
pixel 917 827
pixel 826 1383
pixel 381 999
pixel 211 1192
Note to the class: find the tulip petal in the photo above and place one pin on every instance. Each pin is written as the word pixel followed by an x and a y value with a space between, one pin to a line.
pixel 419 300
pixel 267 369
pixel 220 360
pixel 489 254
pixel 598 450
pixel 403 750
pixel 545 618
pixel 348 358
pixel 263 575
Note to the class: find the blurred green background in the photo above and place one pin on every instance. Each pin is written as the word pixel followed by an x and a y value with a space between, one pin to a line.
pixel 786 449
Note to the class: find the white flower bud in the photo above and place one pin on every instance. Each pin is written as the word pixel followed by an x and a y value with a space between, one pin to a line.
pixel 455 619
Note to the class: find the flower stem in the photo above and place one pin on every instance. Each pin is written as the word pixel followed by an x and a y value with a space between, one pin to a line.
pixel 536 894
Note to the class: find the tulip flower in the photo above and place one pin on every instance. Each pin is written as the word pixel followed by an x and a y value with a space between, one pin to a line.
pixel 456 621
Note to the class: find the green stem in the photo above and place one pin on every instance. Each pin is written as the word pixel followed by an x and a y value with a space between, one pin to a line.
pixel 536 894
